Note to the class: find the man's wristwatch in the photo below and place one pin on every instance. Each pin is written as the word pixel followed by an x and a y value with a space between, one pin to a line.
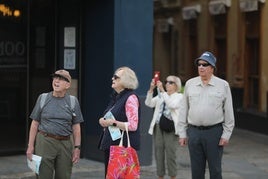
pixel 77 147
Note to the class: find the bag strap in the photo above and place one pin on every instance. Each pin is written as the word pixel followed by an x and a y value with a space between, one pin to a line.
pixel 43 99
pixel 164 105
pixel 122 136
pixel 72 99
pixel 44 96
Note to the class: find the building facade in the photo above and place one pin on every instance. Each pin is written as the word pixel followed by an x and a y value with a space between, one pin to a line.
pixel 90 39
pixel 235 31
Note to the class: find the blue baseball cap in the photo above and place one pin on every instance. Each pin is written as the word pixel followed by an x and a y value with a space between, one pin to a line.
pixel 208 57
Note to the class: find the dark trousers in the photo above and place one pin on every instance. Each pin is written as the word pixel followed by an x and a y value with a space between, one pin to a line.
pixel 204 148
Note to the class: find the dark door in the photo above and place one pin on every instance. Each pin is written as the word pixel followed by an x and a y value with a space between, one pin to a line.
pixel 13 75
pixel 42 45
pixel 31 48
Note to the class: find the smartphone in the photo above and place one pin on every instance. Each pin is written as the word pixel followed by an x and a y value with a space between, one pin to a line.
pixel 156 76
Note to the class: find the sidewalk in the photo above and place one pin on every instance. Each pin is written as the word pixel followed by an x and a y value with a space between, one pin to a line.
pixel 246 157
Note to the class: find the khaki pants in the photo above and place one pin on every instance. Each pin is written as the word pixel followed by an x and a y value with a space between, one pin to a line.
pixel 165 146
pixel 56 157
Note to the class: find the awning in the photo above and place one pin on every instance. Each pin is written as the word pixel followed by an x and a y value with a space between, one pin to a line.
pixel 249 5
pixel 218 6
pixel 191 12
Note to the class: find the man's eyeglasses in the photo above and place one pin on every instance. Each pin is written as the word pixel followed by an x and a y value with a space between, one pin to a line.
pixel 203 64
pixel 116 77
pixel 169 82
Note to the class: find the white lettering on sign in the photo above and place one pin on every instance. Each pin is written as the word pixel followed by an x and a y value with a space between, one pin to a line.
pixel 12 48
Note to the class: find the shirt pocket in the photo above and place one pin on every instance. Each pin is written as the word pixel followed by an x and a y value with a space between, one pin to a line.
pixel 216 99
pixel 194 98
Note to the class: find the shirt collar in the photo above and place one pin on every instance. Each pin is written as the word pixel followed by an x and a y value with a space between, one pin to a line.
pixel 211 81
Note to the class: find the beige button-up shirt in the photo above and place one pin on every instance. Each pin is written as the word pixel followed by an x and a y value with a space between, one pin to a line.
pixel 206 105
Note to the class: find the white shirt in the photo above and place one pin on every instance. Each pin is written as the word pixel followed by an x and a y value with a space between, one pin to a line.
pixel 172 103
pixel 206 105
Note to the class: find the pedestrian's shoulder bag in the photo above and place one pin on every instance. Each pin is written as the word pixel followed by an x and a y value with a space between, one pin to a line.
pixel 123 161
pixel 166 124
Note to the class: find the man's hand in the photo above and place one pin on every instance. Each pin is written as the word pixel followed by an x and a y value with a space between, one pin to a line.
pixel 183 141
pixel 76 155
pixel 29 152
pixel 223 142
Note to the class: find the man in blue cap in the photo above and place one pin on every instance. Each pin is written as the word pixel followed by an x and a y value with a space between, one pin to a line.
pixel 206 118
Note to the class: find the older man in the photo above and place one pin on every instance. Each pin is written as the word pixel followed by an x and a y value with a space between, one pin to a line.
pixel 56 118
pixel 206 118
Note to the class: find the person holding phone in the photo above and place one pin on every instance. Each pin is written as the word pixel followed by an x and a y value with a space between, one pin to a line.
pixel 165 103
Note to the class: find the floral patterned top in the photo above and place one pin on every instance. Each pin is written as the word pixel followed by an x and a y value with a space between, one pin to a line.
pixel 132 106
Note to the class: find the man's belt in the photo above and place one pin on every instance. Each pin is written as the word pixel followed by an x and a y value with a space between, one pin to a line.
pixel 57 137
pixel 205 127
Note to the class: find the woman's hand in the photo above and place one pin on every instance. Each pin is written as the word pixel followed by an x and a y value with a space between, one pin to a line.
pixel 106 122
pixel 160 86
pixel 152 86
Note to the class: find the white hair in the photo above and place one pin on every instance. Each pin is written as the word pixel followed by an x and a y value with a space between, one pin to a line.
pixel 128 79
pixel 177 81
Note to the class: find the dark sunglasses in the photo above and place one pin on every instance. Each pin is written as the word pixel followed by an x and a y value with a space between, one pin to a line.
pixel 170 82
pixel 116 77
pixel 203 64
pixel 56 76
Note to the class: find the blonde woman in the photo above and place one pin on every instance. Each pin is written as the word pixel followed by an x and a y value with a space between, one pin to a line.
pixel 165 104
pixel 125 107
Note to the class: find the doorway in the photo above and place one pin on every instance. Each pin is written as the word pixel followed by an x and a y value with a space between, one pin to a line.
pixel 13 75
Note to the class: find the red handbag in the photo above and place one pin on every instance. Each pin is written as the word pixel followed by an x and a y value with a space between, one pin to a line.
pixel 123 161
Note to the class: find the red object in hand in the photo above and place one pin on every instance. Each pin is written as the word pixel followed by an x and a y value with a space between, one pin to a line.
pixel 156 76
